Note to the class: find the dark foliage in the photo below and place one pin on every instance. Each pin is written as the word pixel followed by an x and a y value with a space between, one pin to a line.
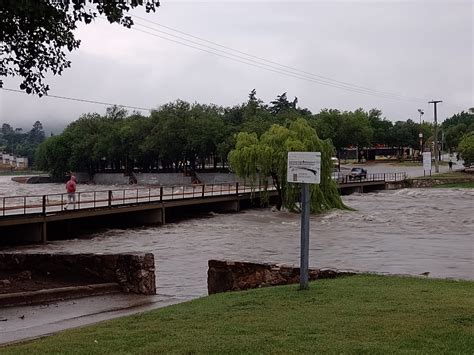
pixel 35 34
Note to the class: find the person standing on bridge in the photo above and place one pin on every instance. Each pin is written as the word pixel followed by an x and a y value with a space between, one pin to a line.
pixel 71 192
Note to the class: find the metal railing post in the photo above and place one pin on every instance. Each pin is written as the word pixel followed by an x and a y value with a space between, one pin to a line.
pixel 24 205
pixel 94 199
pixel 161 193
pixel 4 206
pixel 203 189
pixel 237 188
pixel 44 205
pixel 110 199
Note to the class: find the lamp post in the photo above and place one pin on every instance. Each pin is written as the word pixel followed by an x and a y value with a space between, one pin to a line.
pixel 435 103
pixel 421 133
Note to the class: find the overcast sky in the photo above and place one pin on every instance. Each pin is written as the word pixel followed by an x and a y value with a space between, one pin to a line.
pixel 418 49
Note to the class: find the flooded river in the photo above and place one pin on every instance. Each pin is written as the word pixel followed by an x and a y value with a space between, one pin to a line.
pixel 408 231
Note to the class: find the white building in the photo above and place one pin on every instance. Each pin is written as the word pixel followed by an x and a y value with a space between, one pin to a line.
pixel 11 161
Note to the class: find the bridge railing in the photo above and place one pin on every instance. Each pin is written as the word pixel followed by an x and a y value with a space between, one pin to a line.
pixel 387 177
pixel 57 202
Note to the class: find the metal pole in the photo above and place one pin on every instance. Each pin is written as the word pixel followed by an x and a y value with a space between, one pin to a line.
pixel 304 237
pixel 435 102
pixel 421 133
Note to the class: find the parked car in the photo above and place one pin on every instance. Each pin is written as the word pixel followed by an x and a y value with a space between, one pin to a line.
pixel 358 173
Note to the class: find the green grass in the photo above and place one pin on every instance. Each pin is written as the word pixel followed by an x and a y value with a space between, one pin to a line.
pixel 359 314
pixel 20 172
pixel 449 175
pixel 460 185
pixel 415 163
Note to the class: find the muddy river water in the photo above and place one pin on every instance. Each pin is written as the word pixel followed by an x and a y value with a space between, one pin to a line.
pixel 408 231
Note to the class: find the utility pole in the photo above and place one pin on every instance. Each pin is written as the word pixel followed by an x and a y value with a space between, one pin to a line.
pixel 435 102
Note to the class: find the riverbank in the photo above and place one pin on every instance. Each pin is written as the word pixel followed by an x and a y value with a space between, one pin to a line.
pixel 366 313
pixel 456 179
pixel 458 185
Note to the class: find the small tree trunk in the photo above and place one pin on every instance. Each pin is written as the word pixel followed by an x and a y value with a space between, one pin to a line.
pixel 276 183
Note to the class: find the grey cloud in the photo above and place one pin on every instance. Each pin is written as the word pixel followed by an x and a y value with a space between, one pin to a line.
pixel 401 47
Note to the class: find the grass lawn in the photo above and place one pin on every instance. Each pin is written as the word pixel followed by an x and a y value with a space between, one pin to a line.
pixel 359 314
pixel 449 175
pixel 19 172
pixel 415 163
pixel 461 185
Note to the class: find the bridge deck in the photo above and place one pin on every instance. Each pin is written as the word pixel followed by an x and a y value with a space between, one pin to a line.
pixel 19 209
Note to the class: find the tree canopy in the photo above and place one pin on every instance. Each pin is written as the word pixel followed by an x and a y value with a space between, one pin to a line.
pixel 257 158
pixel 181 132
pixel 456 127
pixel 17 142
pixel 466 148
pixel 37 33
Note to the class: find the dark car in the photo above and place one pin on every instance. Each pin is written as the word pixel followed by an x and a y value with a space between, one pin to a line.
pixel 357 173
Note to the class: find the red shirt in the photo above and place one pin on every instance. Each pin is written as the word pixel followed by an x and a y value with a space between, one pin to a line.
pixel 71 187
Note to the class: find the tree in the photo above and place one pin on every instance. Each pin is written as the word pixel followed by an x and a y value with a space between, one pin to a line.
pixel 456 127
pixel 405 134
pixel 36 34
pixel 255 158
pixel 381 128
pixel 281 104
pixel 466 149
pixel 53 155
pixel 356 129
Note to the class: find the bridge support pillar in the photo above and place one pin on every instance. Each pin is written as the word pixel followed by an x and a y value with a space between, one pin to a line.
pixel 156 216
pixel 44 233
pixel 230 206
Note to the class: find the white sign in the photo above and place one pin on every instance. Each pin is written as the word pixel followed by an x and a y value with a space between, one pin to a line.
pixel 304 167
pixel 427 161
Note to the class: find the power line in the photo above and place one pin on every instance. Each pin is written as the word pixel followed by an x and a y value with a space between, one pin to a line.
pixel 83 100
pixel 272 69
pixel 327 82
pixel 343 84
pixel 295 72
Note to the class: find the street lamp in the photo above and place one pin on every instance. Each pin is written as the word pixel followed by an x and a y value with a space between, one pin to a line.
pixel 421 133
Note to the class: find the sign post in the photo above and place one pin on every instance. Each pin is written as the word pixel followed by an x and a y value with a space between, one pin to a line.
pixel 304 168
pixel 426 162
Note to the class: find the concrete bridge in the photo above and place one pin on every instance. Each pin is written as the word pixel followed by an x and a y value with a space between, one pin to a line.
pixel 43 217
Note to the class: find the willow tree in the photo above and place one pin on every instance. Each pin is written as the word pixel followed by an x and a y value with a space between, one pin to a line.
pixel 257 159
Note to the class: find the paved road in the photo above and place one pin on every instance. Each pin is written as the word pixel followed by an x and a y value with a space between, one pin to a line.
pixel 412 171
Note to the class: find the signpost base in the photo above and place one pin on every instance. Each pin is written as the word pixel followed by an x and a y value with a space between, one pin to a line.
pixel 304 258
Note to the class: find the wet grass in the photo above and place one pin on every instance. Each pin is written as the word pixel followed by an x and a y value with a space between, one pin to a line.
pixel 359 314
